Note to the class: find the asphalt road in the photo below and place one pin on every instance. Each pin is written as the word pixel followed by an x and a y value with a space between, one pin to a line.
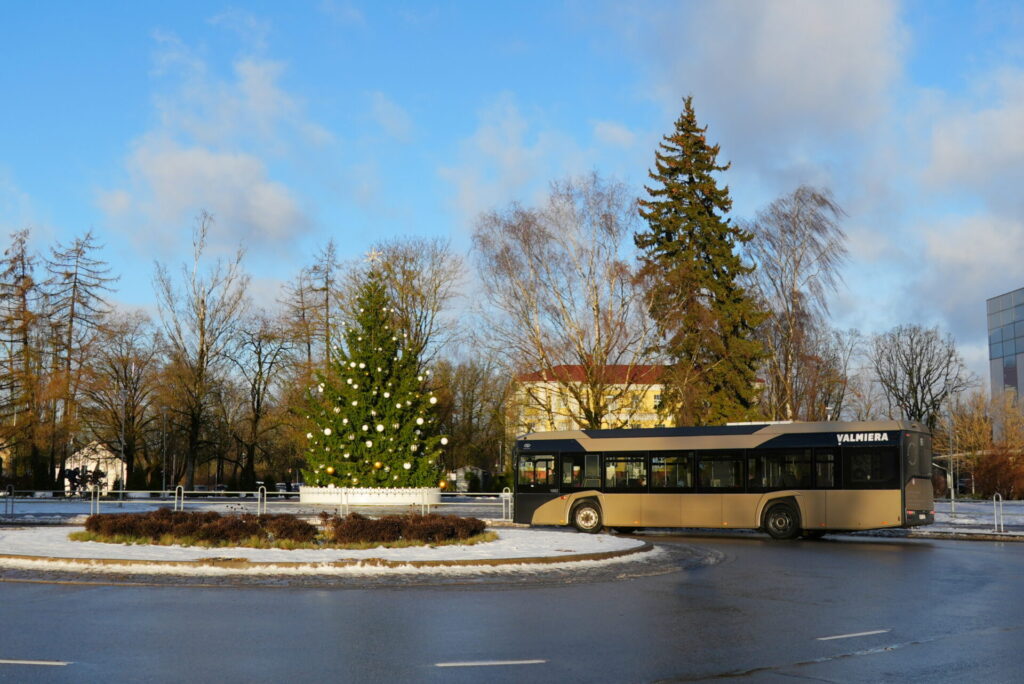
pixel 848 610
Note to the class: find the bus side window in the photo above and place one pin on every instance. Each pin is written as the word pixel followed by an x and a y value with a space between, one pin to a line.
pixel 536 471
pixel 671 471
pixel 824 468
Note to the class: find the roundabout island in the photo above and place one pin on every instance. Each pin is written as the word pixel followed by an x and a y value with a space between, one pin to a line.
pixel 46 552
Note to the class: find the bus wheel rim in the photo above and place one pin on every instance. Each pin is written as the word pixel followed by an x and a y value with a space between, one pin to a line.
pixel 587 517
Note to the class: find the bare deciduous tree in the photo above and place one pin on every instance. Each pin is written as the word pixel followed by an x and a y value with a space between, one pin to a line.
pixel 918 370
pixel 198 318
pixel 562 289
pixel 120 387
pixel 798 247
pixel 262 353
pixel 422 277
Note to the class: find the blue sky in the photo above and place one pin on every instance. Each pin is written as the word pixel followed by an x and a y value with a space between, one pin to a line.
pixel 297 122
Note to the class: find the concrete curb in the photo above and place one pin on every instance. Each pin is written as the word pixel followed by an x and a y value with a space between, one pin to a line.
pixel 246 564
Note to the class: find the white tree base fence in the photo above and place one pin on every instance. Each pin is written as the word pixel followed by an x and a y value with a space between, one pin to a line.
pixel 344 497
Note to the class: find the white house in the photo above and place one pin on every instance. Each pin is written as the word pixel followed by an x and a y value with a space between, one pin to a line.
pixel 94 457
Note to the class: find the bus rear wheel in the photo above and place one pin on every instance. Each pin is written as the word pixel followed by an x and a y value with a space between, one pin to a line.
pixel 587 517
pixel 782 521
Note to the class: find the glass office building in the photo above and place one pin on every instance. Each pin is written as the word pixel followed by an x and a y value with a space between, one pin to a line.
pixel 1006 341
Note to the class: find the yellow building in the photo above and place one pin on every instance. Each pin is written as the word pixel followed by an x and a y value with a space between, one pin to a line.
pixel 550 400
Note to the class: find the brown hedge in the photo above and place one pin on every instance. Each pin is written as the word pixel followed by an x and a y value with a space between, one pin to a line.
pixel 431 529
pixel 204 525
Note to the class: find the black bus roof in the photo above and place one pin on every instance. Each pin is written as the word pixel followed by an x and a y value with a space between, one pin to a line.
pixel 733 436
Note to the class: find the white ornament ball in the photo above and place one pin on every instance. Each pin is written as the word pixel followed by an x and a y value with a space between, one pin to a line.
pixel 369 443
pixel 433 400
pixel 407 466
pixel 309 435
pixel 387 395
pixel 380 428
pixel 444 440
pixel 419 421
pixel 327 432
pixel 365 428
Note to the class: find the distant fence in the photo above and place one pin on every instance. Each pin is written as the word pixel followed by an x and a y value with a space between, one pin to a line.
pixel 489 505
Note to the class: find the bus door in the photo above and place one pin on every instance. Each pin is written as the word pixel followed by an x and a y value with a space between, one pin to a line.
pixel 535 485
pixel 719 473
pixel 671 486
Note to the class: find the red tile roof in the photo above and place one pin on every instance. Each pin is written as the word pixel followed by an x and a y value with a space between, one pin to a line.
pixel 618 374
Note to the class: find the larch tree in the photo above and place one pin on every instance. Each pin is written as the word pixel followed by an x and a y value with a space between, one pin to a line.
pixel 372 422
pixel 21 306
pixel 76 288
pixel 694 275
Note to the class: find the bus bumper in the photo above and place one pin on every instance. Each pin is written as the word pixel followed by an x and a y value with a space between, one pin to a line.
pixel 915 518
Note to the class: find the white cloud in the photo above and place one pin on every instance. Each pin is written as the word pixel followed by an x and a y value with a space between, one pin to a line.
pixel 981 150
pixel 964 262
pixel 15 204
pixel 179 181
pixel 217 146
pixel 395 121
pixel 253 30
pixel 613 134
pixel 344 13
pixel 779 79
pixel 507 158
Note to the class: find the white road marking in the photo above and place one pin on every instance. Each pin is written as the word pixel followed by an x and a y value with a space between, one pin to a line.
pixel 855 634
pixel 489 663
pixel 55 663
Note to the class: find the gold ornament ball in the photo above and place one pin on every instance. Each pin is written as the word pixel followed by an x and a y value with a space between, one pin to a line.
pixel 378 465
pixel 330 470
pixel 442 484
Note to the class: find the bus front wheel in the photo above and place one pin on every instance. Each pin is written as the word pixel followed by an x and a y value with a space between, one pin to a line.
pixel 782 521
pixel 587 517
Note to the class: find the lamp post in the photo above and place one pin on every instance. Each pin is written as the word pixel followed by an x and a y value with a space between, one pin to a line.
pixel 124 456
pixel 163 451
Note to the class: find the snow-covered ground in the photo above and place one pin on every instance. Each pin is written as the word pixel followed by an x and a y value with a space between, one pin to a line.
pixel 512 544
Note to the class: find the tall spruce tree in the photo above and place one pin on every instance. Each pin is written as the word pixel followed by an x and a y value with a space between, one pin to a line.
pixel 374 424
pixel 693 275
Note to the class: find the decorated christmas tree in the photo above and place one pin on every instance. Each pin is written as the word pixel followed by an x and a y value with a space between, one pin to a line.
pixel 372 422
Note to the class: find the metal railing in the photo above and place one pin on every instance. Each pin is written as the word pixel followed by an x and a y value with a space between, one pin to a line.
pixel 94 501
pixel 490 505
pixel 997 513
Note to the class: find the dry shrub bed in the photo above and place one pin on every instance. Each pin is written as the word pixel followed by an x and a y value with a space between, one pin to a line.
pixel 208 528
pixel 428 529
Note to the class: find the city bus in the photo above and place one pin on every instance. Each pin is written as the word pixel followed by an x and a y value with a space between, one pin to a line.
pixel 786 479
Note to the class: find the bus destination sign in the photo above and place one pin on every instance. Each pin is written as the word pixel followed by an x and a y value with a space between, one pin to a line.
pixel 860 437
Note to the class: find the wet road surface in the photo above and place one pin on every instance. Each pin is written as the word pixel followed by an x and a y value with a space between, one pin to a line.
pixel 845 609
